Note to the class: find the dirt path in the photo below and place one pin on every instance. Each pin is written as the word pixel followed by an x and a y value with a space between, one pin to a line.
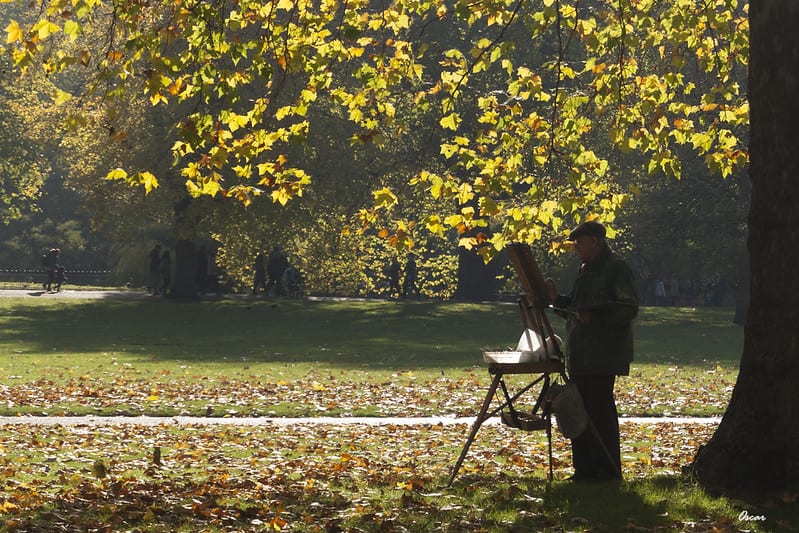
pixel 37 292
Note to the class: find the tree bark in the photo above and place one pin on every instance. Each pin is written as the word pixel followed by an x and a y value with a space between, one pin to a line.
pixel 184 284
pixel 755 445
pixel 477 281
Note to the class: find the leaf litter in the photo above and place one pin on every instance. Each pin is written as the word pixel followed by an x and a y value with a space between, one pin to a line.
pixel 299 478
pixel 681 393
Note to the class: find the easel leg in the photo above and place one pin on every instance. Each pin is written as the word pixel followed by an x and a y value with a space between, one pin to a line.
pixel 476 426
pixel 549 445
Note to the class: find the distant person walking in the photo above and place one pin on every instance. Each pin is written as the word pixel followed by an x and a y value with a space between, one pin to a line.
pixel 411 273
pixel 60 278
pixel 276 267
pixel 674 291
pixel 165 266
pixel 50 264
pixel 394 278
pixel 660 292
pixel 155 269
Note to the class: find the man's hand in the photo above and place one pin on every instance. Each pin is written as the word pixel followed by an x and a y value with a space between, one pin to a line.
pixel 583 316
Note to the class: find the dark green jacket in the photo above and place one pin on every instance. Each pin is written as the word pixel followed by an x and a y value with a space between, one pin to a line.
pixel 604 345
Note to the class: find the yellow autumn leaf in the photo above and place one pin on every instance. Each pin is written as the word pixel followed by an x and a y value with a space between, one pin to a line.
pixel 450 121
pixel 434 225
pixel 448 150
pixel 117 174
pixel 283 112
pixel 7 506
pixel 281 195
pixel 149 181
pixel 210 188
pixel 384 198
pixel 157 98
pixel 72 29
pixel 14 33
pixel 45 28
pixel 192 188
pixel 62 97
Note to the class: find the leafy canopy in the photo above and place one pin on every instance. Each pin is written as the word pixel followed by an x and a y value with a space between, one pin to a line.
pixel 535 106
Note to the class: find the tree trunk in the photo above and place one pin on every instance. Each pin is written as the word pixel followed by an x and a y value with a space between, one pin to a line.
pixel 477 281
pixel 184 284
pixel 755 444
pixel 742 290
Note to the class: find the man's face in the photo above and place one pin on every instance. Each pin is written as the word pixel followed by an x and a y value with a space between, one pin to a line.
pixel 587 247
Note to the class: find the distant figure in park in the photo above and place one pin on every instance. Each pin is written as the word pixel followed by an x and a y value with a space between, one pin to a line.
pixel 276 267
pixel 155 269
pixel 50 264
pixel 601 307
pixel 660 292
pixel 60 277
pixel 166 272
pixel 716 290
pixel 411 273
pixel 259 274
pixel 674 291
pixel 394 278
pixel 293 283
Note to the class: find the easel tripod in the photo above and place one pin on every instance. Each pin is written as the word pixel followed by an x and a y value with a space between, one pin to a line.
pixel 532 302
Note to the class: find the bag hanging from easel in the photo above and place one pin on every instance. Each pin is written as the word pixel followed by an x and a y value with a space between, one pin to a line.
pixel 567 404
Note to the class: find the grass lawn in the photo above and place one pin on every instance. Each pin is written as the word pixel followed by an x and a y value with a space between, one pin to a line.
pixel 260 357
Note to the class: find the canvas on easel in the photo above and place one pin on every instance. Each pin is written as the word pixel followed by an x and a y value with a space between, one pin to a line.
pixel 534 298
pixel 533 284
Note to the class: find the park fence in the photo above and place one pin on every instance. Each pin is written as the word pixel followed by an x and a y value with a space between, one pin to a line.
pixel 74 277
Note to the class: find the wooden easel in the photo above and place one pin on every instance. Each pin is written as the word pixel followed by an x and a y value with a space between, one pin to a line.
pixel 533 301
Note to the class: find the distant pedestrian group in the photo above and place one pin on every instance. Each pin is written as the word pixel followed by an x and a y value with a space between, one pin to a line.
pixel 676 292
pixel 56 274
pixel 409 283
pixel 275 275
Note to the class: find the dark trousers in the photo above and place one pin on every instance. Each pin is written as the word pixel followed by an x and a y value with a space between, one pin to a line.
pixel 591 459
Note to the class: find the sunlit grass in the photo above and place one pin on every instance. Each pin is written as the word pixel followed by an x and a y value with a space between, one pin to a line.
pixel 256 357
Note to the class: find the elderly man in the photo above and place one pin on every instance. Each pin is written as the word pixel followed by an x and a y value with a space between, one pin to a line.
pixel 599 311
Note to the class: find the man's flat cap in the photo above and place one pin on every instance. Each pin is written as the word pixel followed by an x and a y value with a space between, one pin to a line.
pixel 588 229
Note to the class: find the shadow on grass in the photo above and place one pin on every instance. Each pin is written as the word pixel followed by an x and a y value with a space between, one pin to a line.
pixel 658 503
pixel 355 333
pixel 532 504
pixel 389 335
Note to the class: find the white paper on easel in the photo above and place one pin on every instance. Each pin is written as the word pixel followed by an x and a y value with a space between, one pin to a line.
pixel 530 349
pixel 530 341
